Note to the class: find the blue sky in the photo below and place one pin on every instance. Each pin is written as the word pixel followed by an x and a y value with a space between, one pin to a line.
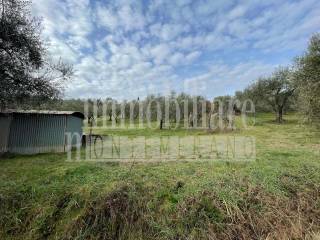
pixel 128 49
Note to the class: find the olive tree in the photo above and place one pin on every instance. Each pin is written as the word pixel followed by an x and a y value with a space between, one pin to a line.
pixel 307 78
pixel 274 91
pixel 26 71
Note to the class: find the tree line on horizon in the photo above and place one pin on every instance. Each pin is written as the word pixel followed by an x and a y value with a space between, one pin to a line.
pixel 29 78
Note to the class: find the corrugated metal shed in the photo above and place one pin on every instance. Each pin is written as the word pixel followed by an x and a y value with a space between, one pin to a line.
pixel 5 122
pixel 31 132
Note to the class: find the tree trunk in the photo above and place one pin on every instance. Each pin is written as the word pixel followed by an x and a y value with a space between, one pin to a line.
pixel 191 123
pixel 279 115
pixel 161 124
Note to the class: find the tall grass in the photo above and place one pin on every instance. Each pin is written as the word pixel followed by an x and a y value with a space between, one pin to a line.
pixel 275 197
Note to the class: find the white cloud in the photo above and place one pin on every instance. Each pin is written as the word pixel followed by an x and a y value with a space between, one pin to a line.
pixel 59 49
pixel 176 58
pixel 106 18
pixel 160 52
pixel 124 44
pixel 193 56
pixel 222 79
pixel 237 12
pixel 168 32
pixel 125 17
pixel 66 26
pixel 130 18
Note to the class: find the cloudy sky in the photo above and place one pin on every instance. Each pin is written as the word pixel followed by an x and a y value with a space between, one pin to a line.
pixel 125 49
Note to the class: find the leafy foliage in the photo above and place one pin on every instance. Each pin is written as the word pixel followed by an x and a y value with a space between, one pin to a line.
pixel 26 71
pixel 274 91
pixel 308 80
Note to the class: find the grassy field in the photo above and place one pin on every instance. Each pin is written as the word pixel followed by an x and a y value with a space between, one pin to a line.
pixel 275 197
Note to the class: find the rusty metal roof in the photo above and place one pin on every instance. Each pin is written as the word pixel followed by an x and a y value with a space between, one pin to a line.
pixel 46 112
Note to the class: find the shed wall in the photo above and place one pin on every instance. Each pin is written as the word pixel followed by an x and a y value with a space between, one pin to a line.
pixel 31 134
pixel 37 133
pixel 74 126
pixel 5 122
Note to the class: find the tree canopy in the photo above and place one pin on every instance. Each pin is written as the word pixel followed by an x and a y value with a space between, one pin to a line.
pixel 308 80
pixel 26 71
pixel 274 91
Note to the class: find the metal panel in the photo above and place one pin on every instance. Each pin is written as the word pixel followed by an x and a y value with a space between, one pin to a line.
pixel 5 122
pixel 74 126
pixel 37 133
pixel 31 134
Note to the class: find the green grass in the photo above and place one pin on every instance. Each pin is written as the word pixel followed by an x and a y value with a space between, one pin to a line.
pixel 277 195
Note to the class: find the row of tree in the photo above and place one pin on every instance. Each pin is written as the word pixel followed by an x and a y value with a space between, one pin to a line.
pixel 169 111
pixel 165 109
